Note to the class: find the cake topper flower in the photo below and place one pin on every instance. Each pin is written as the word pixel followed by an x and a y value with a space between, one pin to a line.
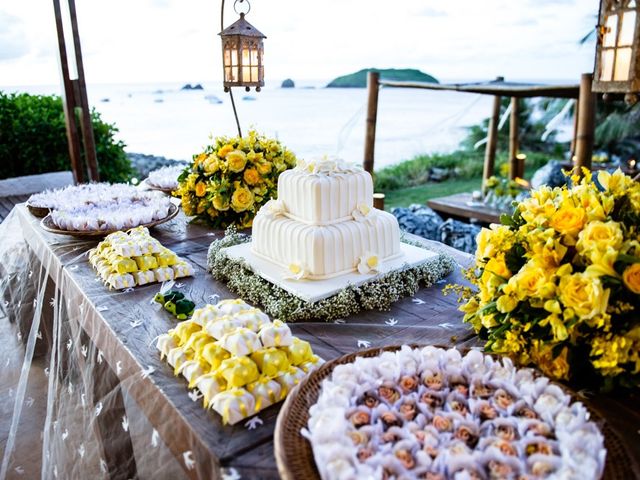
pixel 364 213
pixel 368 263
pixel 298 271
pixel 326 165
pixel 273 208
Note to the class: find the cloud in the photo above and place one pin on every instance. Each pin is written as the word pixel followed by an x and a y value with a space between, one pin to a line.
pixel 13 42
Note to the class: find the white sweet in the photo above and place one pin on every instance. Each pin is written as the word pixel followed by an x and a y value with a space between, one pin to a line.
pixel 240 342
pixel 164 344
pixel 166 177
pixel 163 274
pixel 142 278
pixel 210 384
pixel 276 334
pixel 558 442
pixel 233 405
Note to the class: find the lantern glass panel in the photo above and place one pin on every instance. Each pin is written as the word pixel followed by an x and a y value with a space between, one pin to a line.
pixel 245 55
pixel 234 57
pixel 627 29
pixel 607 65
pixel 227 57
pixel 254 56
pixel 623 62
pixel 611 31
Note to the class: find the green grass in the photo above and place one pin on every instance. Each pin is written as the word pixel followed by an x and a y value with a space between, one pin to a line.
pixel 403 197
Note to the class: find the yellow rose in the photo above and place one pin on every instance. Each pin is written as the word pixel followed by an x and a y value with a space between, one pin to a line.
pixel 251 176
pixel 568 220
pixel 264 168
pixel 211 165
pixel 186 205
pixel 198 159
pixel 220 203
pixel 236 160
pixel 556 367
pixel 201 189
pixel 583 294
pixel 506 303
pixel 225 150
pixel 242 199
pixel 531 281
pixel 631 277
pixel 599 236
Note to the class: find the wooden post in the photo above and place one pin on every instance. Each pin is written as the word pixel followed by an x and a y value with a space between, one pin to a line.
pixel 378 201
pixel 513 138
pixel 576 110
pixel 74 100
pixel 492 139
pixel 586 121
pixel 373 84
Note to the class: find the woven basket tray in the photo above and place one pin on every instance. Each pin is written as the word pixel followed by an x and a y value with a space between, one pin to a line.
pixel 295 458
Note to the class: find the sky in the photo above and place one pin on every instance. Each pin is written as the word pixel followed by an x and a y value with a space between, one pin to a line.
pixel 161 41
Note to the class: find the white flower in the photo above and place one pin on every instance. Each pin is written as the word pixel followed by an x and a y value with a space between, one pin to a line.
pixel 297 271
pixel 368 263
pixel 364 213
pixel 273 208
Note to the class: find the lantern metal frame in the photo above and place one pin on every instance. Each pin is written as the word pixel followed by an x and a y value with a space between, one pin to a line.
pixel 610 28
pixel 242 53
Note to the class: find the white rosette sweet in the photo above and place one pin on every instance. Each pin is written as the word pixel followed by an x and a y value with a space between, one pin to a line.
pixel 240 342
pixel 233 405
pixel 164 344
pixel 210 384
pixel 276 334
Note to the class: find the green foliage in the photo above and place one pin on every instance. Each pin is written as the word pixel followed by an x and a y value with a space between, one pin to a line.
pixel 532 120
pixel 33 139
pixel 359 78
pixel 618 129
pixel 463 163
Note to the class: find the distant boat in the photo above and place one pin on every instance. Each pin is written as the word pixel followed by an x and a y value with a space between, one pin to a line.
pixel 248 98
pixel 159 100
pixel 105 100
pixel 212 99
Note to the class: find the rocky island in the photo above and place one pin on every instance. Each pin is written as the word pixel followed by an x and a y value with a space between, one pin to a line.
pixel 359 78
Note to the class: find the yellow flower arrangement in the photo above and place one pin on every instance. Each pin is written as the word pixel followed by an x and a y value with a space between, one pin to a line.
pixel 558 283
pixel 232 178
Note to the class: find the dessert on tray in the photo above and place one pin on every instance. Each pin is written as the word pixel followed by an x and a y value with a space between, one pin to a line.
pixel 434 413
pixel 166 178
pixel 323 224
pixel 134 258
pixel 101 207
pixel 238 359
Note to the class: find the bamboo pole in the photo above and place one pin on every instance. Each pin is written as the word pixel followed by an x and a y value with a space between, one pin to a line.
pixel 576 110
pixel 373 85
pixel 586 123
pixel 492 140
pixel 513 138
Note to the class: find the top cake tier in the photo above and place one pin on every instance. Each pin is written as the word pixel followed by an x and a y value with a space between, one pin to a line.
pixel 323 195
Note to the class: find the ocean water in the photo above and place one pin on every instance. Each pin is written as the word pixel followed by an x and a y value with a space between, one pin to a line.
pixel 162 119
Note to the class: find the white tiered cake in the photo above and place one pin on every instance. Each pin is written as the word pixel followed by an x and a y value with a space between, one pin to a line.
pixel 323 224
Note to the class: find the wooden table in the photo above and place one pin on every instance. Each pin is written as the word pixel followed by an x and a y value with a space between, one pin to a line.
pixel 460 206
pixel 183 425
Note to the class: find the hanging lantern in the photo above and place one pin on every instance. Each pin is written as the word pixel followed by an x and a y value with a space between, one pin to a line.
pixel 618 47
pixel 242 53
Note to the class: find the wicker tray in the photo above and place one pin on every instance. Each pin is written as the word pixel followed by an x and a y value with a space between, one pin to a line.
pixel 39 212
pixel 151 186
pixel 294 455
pixel 48 225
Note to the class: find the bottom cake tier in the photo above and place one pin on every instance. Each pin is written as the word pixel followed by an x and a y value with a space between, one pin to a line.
pixel 325 251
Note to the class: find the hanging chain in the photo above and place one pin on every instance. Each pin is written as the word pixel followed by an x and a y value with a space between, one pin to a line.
pixel 233 103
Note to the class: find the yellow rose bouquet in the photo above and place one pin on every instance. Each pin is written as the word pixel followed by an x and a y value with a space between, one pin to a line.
pixel 232 178
pixel 558 283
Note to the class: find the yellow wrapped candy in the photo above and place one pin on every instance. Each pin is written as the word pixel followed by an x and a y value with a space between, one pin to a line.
pixel 299 351
pixel 210 384
pixel 238 371
pixel 271 361
pixel 276 334
pixel 192 369
pixel 166 258
pixel 146 262
pixel 124 265
pixel 290 378
pixel 176 357
pixel 233 405
pixel 214 354
pixel 266 392
pixel 184 330
pixel 197 341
